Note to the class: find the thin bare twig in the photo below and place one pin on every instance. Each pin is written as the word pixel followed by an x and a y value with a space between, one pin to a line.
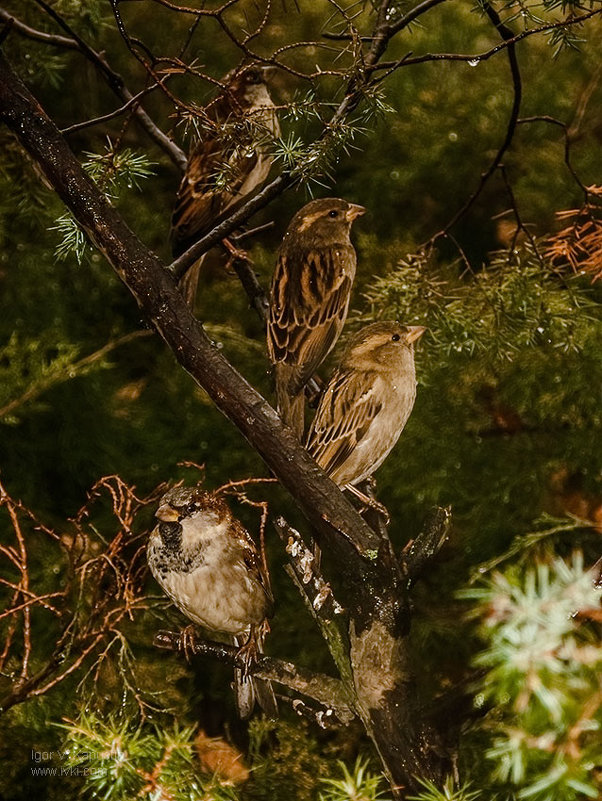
pixel 38 36
pixel 79 126
pixel 475 58
pixel 70 371
pixel 508 36
pixel 100 588
pixel 567 145
pixel 520 226
pixel 323 689
pixel 113 79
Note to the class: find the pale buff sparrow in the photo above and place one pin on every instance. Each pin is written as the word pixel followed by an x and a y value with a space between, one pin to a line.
pixel 366 404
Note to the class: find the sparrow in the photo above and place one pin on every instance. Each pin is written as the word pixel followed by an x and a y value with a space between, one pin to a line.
pixel 366 403
pixel 208 564
pixel 227 164
pixel 310 295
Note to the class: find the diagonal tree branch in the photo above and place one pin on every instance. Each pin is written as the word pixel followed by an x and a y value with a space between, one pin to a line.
pixel 319 599
pixel 373 589
pixel 179 266
pixel 157 295
pixel 78 126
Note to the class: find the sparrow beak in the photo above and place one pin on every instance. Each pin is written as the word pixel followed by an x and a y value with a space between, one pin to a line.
pixel 414 333
pixel 166 513
pixel 354 211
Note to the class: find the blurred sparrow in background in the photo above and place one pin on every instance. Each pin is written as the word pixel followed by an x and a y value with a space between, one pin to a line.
pixel 309 298
pixel 207 563
pixel 228 163
pixel 366 404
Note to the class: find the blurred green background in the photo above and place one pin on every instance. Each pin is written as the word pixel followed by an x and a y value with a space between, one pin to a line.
pixel 507 422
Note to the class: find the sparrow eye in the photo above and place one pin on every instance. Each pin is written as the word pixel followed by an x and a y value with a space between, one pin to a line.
pixel 189 509
pixel 395 337
pixel 333 213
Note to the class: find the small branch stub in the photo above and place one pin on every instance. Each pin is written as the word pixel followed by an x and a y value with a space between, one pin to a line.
pixel 420 551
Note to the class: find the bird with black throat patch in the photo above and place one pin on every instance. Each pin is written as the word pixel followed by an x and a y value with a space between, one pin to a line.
pixel 209 566
pixel 310 293
pixel 229 162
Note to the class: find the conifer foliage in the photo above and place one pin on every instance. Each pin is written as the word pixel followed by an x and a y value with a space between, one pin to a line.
pixel 472 136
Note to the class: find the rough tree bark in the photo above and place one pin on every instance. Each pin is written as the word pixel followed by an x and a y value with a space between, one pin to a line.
pixel 380 683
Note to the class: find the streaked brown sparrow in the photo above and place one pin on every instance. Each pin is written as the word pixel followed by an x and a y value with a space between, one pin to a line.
pixel 366 404
pixel 207 563
pixel 227 164
pixel 310 295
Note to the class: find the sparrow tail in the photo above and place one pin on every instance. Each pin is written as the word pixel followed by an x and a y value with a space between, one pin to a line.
pixel 291 408
pixel 190 281
pixel 244 687
pixel 250 689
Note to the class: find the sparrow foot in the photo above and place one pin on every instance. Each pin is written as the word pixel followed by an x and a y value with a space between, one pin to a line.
pixel 236 254
pixel 187 642
pixel 249 651
pixel 369 503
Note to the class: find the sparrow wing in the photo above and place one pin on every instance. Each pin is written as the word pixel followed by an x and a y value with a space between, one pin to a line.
pixel 310 298
pixel 345 413
pixel 202 196
pixel 254 563
pixel 238 157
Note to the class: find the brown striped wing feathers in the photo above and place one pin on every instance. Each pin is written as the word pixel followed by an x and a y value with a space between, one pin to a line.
pixel 229 162
pixel 345 414
pixel 253 561
pixel 201 197
pixel 310 298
